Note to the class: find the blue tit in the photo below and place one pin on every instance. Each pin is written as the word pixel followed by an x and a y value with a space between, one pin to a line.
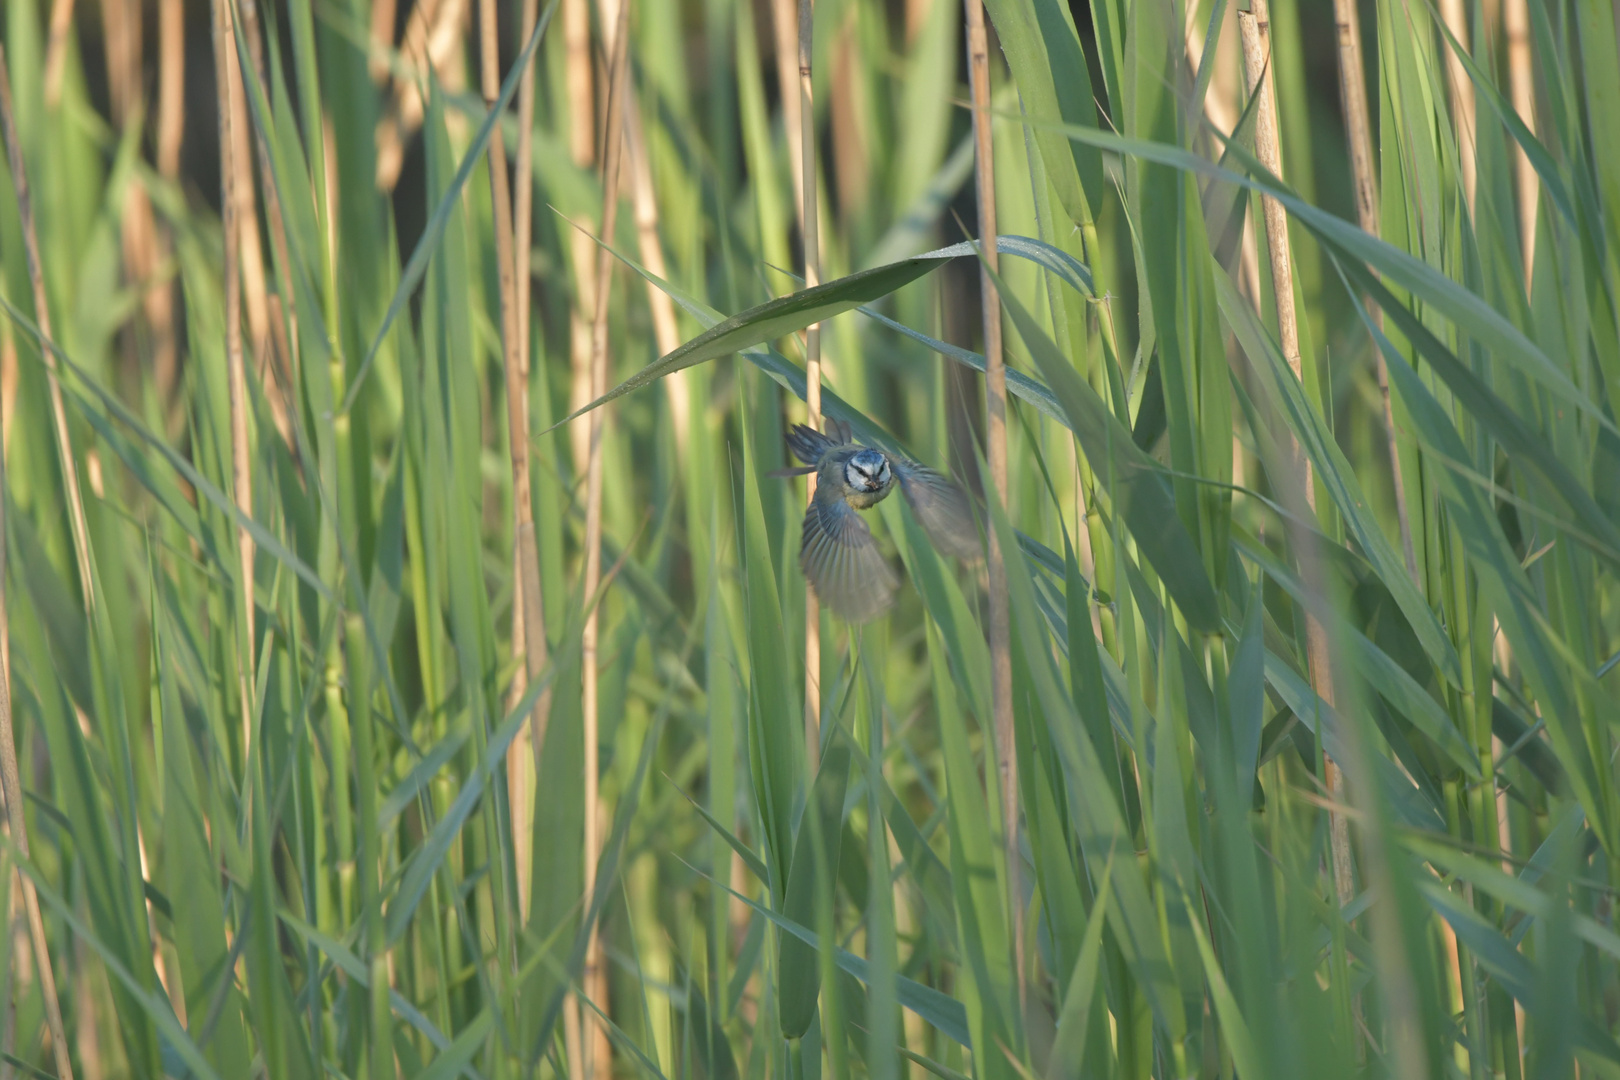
pixel 838 555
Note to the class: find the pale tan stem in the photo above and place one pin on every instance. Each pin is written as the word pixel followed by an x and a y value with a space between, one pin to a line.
pixel 1358 133
pixel 382 39
pixel 56 50
pixel 666 331
pixel 597 1060
pixel 1462 98
pixel 1222 113
pixel 1256 36
pixel 277 387
pixel 809 221
pixel 995 403
pixel 528 617
pixel 785 21
pixel 228 75
pixel 581 85
pixel 1516 20
pixel 10 778
pixel 171 122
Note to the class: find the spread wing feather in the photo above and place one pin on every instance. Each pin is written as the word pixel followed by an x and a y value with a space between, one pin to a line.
pixel 842 562
pixel 941 508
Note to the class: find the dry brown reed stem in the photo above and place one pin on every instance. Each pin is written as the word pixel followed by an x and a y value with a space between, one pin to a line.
pixel 528 613
pixel 171 118
pixel 529 629
pixel 1221 112
pixel 785 20
pixel 810 230
pixel 432 40
pixel 1358 133
pixel 666 331
pixel 255 280
pixel 1256 34
pixel 1462 97
pixel 581 86
pixel 56 50
pixel 10 779
pixel 995 405
pixel 17 942
pixel 229 77
pixel 581 83
pixel 282 343
pixel 382 39
pixel 1516 21
pixel 595 980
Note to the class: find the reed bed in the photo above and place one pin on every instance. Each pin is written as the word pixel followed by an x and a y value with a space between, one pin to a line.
pixel 403 652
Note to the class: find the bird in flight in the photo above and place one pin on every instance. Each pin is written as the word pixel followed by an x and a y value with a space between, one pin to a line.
pixel 838 555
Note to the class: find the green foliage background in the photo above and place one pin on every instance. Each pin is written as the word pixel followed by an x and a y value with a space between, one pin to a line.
pixel 327 885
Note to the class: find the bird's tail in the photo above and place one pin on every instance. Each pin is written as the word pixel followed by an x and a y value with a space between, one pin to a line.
pixel 808 444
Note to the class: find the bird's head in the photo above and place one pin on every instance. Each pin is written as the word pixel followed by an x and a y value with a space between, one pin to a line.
pixel 867 472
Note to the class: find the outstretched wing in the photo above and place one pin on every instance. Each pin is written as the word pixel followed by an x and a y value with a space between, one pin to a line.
pixel 941 508
pixel 808 444
pixel 841 560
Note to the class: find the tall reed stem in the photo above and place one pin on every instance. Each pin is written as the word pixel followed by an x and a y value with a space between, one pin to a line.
pixel 229 77
pixel 995 404
pixel 1358 133
pixel 528 614
pixel 578 72
pixel 10 778
pixel 596 1057
pixel 811 236
pixel 1516 21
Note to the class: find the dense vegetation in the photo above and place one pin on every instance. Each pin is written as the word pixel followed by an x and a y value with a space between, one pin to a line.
pixel 345 749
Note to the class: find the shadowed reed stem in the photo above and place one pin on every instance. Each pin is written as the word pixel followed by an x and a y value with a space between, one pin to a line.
pixel 1358 133
pixel 595 976
pixel 810 231
pixel 9 776
pixel 995 404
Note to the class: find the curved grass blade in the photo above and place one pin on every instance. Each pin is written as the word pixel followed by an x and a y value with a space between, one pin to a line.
pixel 774 319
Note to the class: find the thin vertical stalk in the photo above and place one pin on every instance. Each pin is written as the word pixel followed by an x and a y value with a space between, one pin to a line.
pixel 528 616
pixel 56 50
pixel 42 315
pixel 811 236
pixel 1358 133
pixel 786 23
pixel 581 83
pixel 666 331
pixel 995 405
pixel 229 77
pixel 10 779
pixel 278 391
pixel 612 156
pixel 1521 77
pixel 1462 98
pixel 581 87
pixel 171 123
pixel 171 118
pixel 1256 33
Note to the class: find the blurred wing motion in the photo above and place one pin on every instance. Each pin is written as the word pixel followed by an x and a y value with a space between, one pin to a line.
pixel 808 444
pixel 841 560
pixel 941 508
